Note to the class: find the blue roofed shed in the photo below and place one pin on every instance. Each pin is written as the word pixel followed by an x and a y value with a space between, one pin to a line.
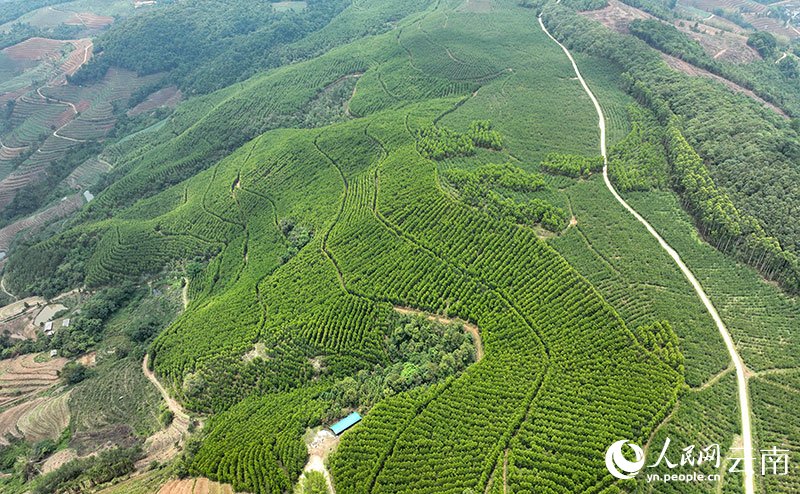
pixel 345 423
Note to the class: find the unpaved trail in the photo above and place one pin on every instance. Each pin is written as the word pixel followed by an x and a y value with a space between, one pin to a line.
pixel 60 102
pixel 3 287
pixel 741 378
pixel 173 405
pixel 318 450
pixel 470 328
pixel 185 292
pixel 161 446
pixel 778 60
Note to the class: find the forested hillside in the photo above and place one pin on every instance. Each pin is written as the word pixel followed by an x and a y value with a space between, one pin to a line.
pixel 751 218
pixel 406 210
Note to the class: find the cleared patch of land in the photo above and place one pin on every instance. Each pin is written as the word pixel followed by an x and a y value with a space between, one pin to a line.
pixel 9 419
pixel 322 443
pixel 161 446
pixel 35 221
pixel 195 486
pixel 47 420
pixel 167 97
pixel 33 49
pixel 92 21
pixel 617 16
pixel 55 461
pixel 289 5
pixel 117 394
pixel 47 313
pixel 22 377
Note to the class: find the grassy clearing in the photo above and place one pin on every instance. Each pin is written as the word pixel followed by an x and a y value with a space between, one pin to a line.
pixel 604 79
pixel 287 6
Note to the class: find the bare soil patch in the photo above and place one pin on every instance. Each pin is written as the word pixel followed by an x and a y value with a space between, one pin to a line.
pixel 200 485
pixel 33 49
pixel 720 44
pixel 19 307
pixel 259 350
pixel 88 360
pixel 617 16
pixel 57 459
pixel 118 435
pixel 322 443
pixel 22 377
pixel 92 21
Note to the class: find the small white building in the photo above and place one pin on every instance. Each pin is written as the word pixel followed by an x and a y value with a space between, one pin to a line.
pixel 65 323
pixel 50 332
pixel 48 326
pixel 53 353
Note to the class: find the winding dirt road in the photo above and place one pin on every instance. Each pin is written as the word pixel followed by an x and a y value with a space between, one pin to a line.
pixel 161 445
pixel 741 379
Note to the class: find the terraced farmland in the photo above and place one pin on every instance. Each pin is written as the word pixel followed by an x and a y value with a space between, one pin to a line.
pixel 87 173
pixel 47 420
pixel 31 223
pixel 23 377
pixel 33 49
pixel 119 395
pixel 70 115
pixel 10 417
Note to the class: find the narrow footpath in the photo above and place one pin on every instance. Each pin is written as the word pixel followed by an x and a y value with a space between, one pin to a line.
pixel 744 404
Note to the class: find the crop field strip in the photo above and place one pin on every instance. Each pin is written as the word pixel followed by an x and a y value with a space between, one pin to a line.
pixel 47 420
pixel 31 223
pixel 120 395
pixel 760 317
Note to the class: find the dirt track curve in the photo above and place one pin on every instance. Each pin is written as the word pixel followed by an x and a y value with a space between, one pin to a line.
pixel 741 379
pixel 161 445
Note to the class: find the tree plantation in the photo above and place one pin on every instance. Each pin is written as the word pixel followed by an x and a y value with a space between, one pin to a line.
pixel 495 237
